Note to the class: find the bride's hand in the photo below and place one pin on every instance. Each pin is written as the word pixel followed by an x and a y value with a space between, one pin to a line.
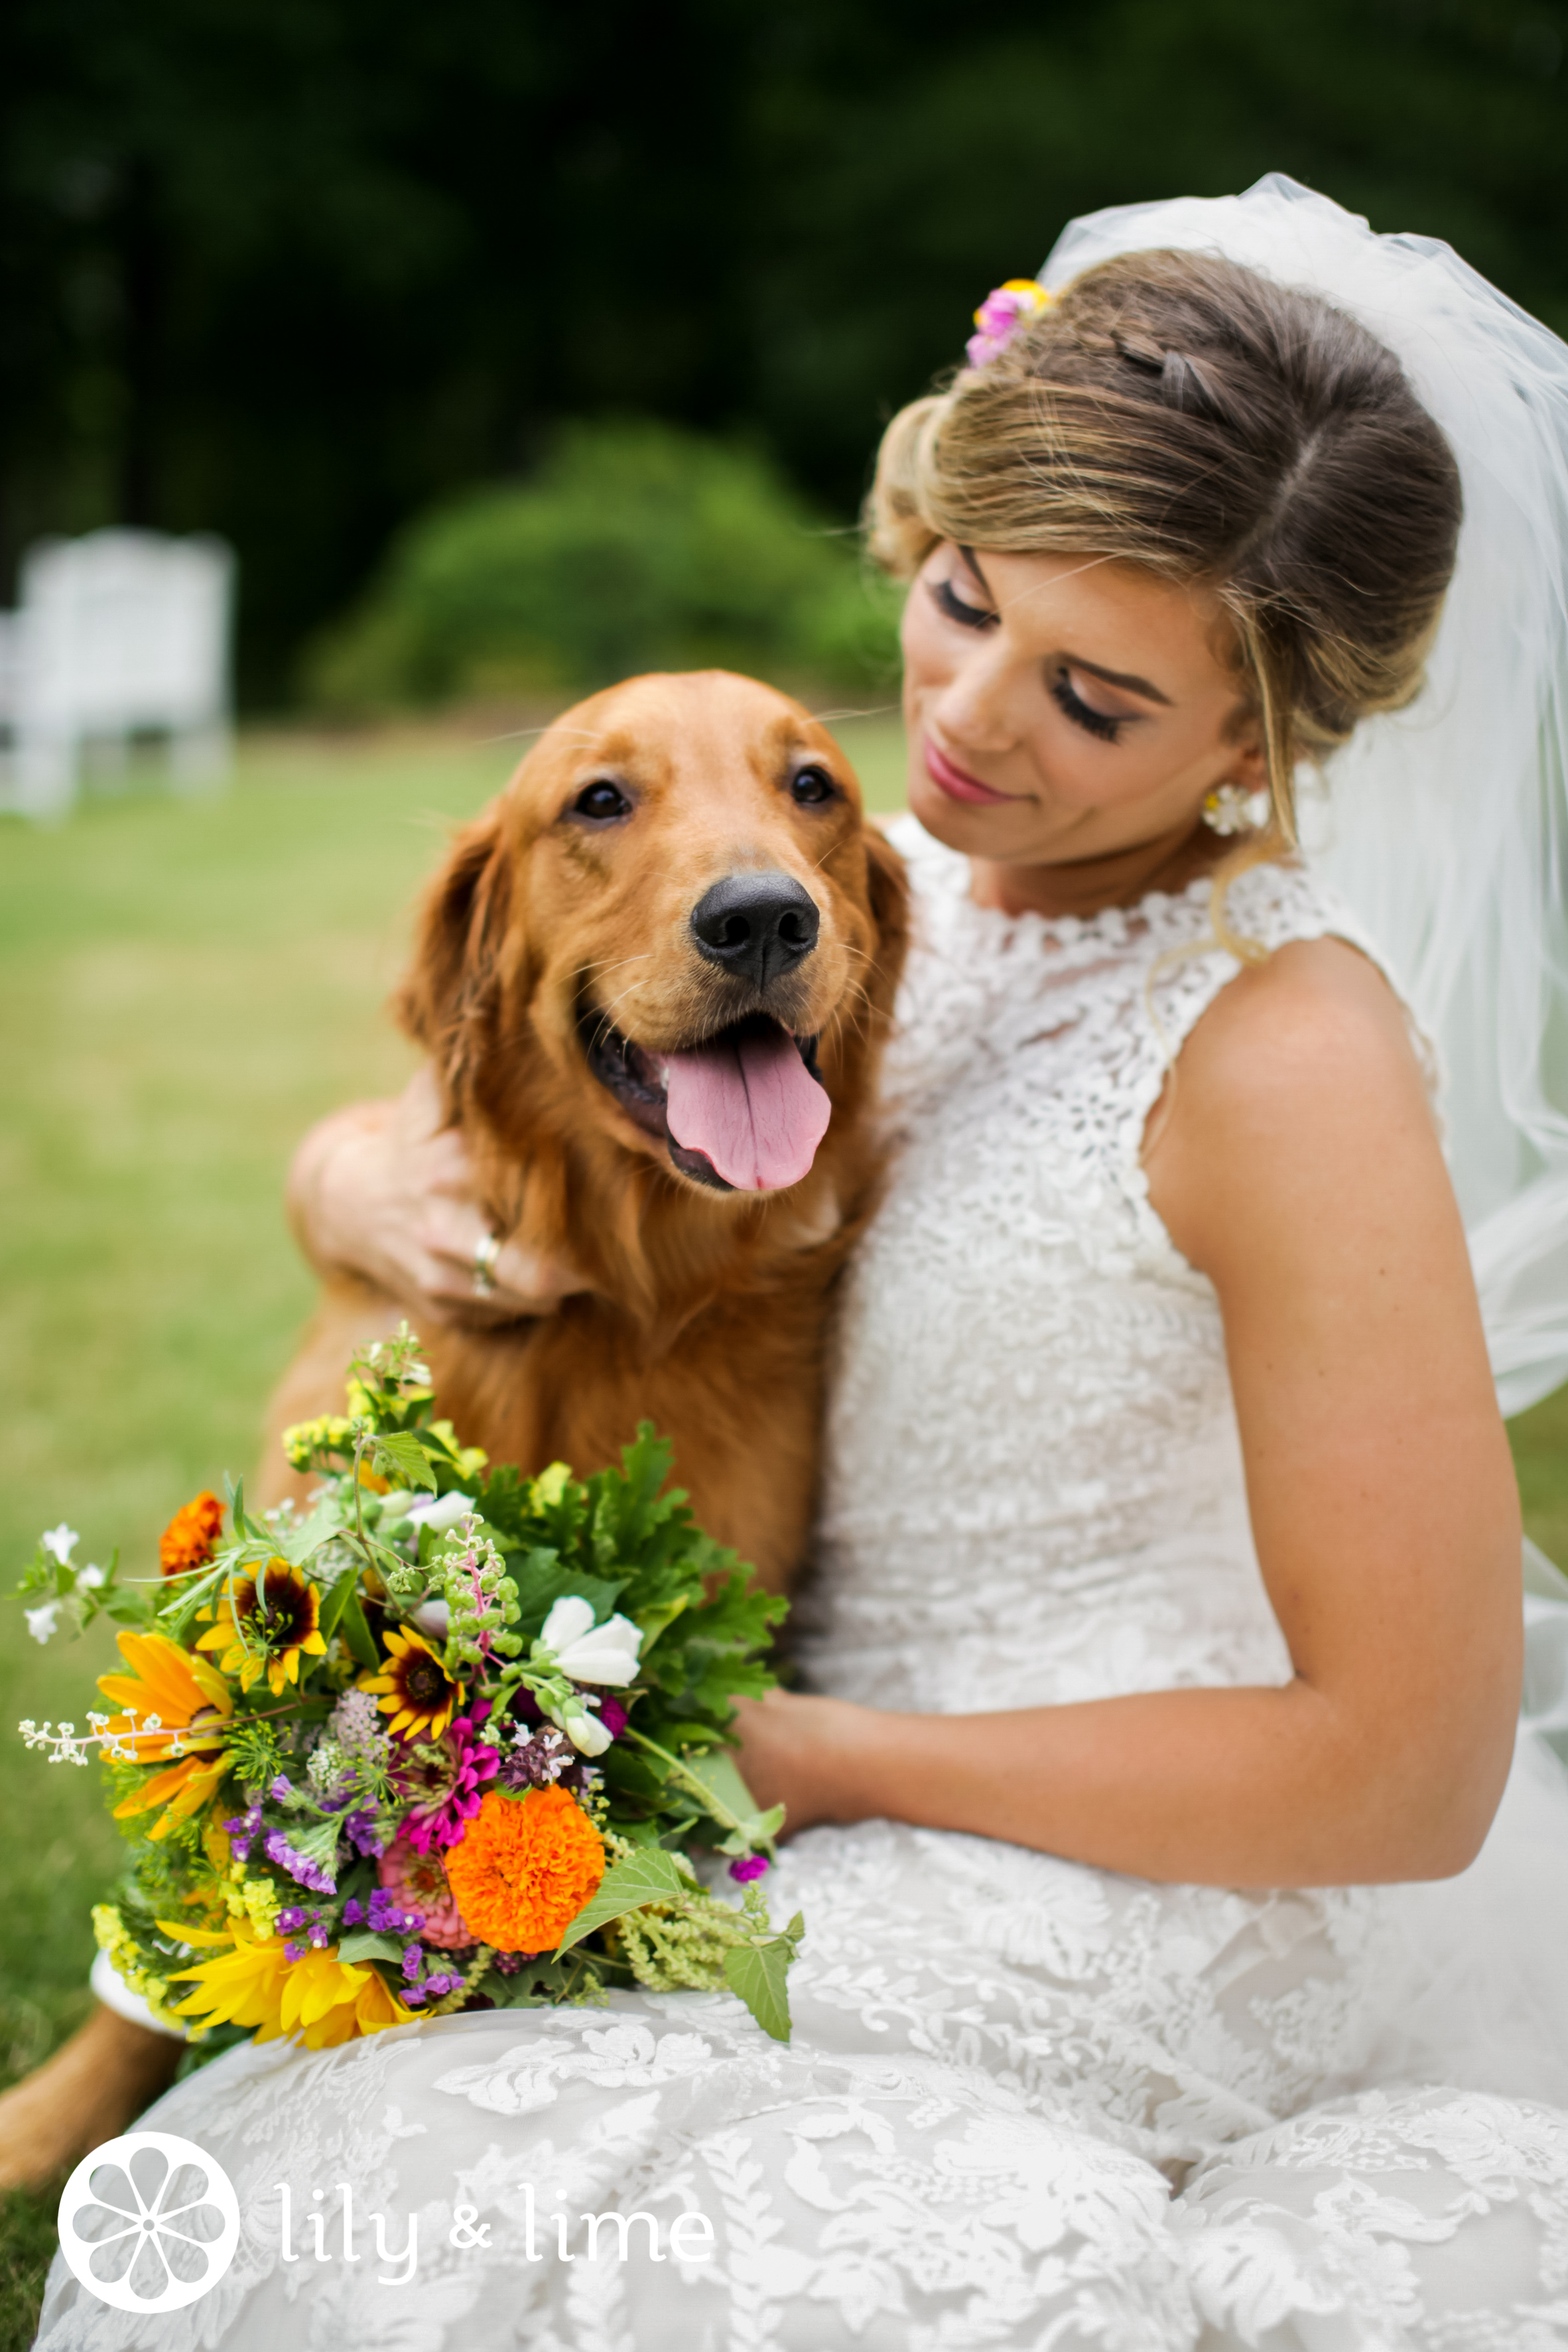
pixel 383 1189
pixel 790 1744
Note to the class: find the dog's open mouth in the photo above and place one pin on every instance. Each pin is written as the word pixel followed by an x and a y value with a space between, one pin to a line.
pixel 744 1111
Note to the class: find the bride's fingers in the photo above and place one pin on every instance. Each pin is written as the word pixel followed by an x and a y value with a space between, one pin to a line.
pixel 521 1281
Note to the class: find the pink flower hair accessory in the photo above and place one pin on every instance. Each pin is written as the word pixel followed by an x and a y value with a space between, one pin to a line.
pixel 1004 309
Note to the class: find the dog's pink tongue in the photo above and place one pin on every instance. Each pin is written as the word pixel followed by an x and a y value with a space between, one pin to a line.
pixel 754 1107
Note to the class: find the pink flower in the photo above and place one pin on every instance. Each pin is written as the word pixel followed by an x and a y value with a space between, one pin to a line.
pixel 417 1880
pixel 999 317
pixel 443 1781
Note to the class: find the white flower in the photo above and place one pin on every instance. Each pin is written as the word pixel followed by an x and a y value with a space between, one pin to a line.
pixel 430 1511
pixel 586 1733
pixel 435 1618
pixel 91 1576
pixel 41 1621
pixel 590 1653
pixel 60 1542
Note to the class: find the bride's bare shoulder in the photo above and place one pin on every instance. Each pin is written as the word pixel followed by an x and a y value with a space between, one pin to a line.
pixel 1301 1084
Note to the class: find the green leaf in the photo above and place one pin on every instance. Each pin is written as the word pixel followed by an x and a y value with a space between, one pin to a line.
pixel 648 1877
pixel 356 1632
pixel 336 1602
pixel 366 1947
pixel 401 1453
pixel 652 1623
pixel 759 1973
pixel 733 1803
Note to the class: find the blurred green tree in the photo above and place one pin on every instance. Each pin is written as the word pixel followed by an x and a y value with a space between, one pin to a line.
pixel 292 269
pixel 635 545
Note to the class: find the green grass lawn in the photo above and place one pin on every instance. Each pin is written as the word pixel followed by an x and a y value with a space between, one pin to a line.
pixel 183 987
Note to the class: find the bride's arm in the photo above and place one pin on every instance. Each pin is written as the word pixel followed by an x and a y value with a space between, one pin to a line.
pixel 1295 1161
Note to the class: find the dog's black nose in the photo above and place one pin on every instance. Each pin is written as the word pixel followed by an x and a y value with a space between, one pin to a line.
pixel 756 925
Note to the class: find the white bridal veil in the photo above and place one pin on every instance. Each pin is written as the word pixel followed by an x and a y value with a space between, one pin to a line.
pixel 1445 827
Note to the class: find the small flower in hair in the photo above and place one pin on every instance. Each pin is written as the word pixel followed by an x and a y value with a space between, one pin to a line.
pixel 1004 309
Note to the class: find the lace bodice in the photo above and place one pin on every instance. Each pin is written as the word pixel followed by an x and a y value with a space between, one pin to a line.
pixel 1033 1489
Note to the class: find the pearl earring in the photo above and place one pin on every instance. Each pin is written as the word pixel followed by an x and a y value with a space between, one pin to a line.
pixel 1227 809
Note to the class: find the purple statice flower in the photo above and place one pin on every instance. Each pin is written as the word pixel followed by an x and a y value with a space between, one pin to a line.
pixel 281 1788
pixel 445 1782
pixel 386 1918
pixel 293 1951
pixel 299 1867
pixel 318 1927
pixel 359 1829
pixel 243 1831
pixel 353 1912
pixel 413 1961
pixel 749 1867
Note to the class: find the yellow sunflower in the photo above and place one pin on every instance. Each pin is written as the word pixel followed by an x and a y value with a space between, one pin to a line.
pixel 417 1692
pixel 194 1704
pixel 251 1981
pixel 265 1624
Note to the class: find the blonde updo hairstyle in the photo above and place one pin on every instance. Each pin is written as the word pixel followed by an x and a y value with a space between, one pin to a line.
pixel 1177 411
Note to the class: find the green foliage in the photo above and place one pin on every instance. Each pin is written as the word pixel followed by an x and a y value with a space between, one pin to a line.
pixel 635 547
pixel 760 1974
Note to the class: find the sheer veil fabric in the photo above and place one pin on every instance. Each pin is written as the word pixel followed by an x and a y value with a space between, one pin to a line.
pixel 1444 827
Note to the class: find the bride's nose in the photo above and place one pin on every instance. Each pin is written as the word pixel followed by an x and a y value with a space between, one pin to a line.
pixel 981 706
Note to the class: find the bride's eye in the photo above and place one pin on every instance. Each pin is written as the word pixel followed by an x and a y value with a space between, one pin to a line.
pixel 968 616
pixel 1083 714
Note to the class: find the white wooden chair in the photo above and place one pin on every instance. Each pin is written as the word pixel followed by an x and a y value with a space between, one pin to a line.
pixel 120 633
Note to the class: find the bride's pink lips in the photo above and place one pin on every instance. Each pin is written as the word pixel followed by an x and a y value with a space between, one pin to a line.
pixel 956 784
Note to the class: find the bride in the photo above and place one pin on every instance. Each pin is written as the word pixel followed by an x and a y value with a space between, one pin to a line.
pixel 1168 1982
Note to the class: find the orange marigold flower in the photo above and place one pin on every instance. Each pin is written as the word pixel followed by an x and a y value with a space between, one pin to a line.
pixel 525 1869
pixel 191 1537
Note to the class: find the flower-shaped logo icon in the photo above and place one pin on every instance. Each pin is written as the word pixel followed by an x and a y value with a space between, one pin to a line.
pixel 148 2222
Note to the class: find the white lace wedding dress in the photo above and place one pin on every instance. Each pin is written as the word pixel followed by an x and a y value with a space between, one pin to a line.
pixel 1026 2104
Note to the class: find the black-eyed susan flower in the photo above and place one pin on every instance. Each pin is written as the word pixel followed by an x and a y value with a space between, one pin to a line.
pixel 193 1705
pixel 251 1981
pixel 265 1624
pixel 417 1691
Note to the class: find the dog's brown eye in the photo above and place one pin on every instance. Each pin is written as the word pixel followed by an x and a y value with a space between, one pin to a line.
pixel 602 802
pixel 811 785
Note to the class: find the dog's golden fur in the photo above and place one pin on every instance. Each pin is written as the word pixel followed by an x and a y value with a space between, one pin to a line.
pixel 707 1307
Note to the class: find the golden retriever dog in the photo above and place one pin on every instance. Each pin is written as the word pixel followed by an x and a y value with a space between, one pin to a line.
pixel 654 978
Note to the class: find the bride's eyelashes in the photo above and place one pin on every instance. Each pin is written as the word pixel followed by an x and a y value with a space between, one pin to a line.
pixel 1083 714
pixel 949 602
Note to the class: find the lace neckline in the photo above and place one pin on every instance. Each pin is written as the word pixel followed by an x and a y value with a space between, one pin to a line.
pixel 945 874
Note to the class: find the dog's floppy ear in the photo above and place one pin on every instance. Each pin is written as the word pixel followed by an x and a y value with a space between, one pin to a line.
pixel 887 889
pixel 449 994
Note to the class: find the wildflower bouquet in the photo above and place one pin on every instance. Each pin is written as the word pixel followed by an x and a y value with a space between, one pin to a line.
pixel 448 1738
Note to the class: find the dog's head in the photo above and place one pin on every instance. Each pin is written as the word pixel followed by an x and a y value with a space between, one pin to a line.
pixel 675 926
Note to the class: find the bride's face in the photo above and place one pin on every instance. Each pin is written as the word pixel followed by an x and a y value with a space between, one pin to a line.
pixel 1063 708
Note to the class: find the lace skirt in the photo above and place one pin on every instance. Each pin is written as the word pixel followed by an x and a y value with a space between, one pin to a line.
pixel 1026 2104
